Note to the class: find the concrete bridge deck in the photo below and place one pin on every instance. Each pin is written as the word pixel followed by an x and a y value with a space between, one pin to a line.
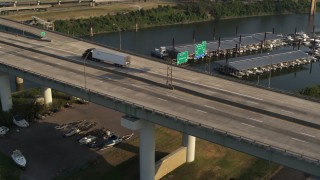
pixel 288 123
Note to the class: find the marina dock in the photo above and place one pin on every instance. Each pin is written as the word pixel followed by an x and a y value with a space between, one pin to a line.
pixel 239 67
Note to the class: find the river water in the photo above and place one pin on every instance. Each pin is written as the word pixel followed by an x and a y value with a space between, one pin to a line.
pixel 143 41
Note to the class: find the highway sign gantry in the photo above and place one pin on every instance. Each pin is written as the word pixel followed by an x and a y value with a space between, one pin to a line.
pixel 182 57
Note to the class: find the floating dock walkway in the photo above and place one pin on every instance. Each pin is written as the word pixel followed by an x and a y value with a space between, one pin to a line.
pixel 240 67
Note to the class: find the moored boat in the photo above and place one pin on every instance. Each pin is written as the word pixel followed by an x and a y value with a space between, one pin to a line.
pixel 18 158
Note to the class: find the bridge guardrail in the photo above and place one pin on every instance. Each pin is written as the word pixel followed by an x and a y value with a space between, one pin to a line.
pixel 183 120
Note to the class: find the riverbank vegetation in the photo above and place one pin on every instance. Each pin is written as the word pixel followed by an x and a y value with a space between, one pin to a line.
pixel 181 13
pixel 29 104
pixel 8 170
pixel 312 91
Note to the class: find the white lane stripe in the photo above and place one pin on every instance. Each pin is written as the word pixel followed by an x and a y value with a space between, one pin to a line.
pixel 308 135
pixel 201 111
pixel 255 120
pixel 247 124
pixel 125 88
pixel 299 140
pixel 287 111
pixel 225 90
pixel 60 50
pixel 252 102
pixel 210 107
pixel 162 99
pixel 171 95
pixel 133 85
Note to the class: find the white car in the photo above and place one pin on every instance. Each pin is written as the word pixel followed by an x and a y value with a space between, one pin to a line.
pixel 20 121
pixel 18 158
pixel 87 139
pixel 3 130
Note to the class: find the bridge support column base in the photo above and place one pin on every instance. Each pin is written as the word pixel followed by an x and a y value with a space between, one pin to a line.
pixel 19 84
pixel 47 96
pixel 147 145
pixel 190 143
pixel 5 92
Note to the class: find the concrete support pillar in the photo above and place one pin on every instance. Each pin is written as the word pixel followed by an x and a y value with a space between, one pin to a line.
pixel 147 152
pixel 147 145
pixel 19 84
pixel 5 92
pixel 313 8
pixel 189 142
pixel 47 96
pixel 93 3
pixel 59 2
pixel 91 31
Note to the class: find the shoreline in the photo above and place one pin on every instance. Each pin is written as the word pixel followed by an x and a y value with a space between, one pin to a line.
pixel 191 22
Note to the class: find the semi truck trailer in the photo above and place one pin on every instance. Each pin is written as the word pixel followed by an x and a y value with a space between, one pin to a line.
pixel 118 59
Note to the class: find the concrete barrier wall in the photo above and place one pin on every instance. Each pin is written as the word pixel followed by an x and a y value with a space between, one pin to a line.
pixel 170 162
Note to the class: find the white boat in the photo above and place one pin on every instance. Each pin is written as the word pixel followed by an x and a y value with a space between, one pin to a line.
pixel 3 130
pixel 72 132
pixel 20 121
pixel 127 137
pixel 18 158
pixel 87 139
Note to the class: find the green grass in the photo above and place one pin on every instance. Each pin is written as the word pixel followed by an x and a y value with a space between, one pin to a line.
pixel 8 170
pixel 211 162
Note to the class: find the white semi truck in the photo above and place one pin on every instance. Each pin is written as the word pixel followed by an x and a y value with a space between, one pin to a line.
pixel 118 59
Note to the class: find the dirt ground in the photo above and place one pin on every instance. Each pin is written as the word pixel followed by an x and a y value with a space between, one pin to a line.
pixel 48 153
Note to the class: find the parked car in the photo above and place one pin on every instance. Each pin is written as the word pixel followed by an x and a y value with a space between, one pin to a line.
pixel 20 121
pixel 3 130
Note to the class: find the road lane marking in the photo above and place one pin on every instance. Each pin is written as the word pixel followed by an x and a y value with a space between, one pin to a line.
pixel 162 99
pixel 201 111
pixel 125 88
pixel 252 102
pixel 255 120
pixel 307 134
pixel 171 95
pixel 247 124
pixel 134 85
pixel 210 107
pixel 225 90
pixel 299 140
pixel 287 111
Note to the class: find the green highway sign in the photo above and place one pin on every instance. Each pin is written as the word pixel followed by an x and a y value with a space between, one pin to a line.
pixel 43 34
pixel 200 50
pixel 182 57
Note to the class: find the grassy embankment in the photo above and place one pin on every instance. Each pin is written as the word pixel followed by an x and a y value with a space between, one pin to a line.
pixel 86 12
pixel 212 161
pixel 8 170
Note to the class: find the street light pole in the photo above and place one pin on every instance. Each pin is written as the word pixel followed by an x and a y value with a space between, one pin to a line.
pixel 119 29
pixel 84 69
pixel 270 71
pixel 120 36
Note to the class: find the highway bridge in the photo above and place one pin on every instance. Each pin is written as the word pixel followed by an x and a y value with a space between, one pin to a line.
pixel 275 126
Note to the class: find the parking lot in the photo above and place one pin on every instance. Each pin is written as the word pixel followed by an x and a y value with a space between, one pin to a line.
pixel 50 154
